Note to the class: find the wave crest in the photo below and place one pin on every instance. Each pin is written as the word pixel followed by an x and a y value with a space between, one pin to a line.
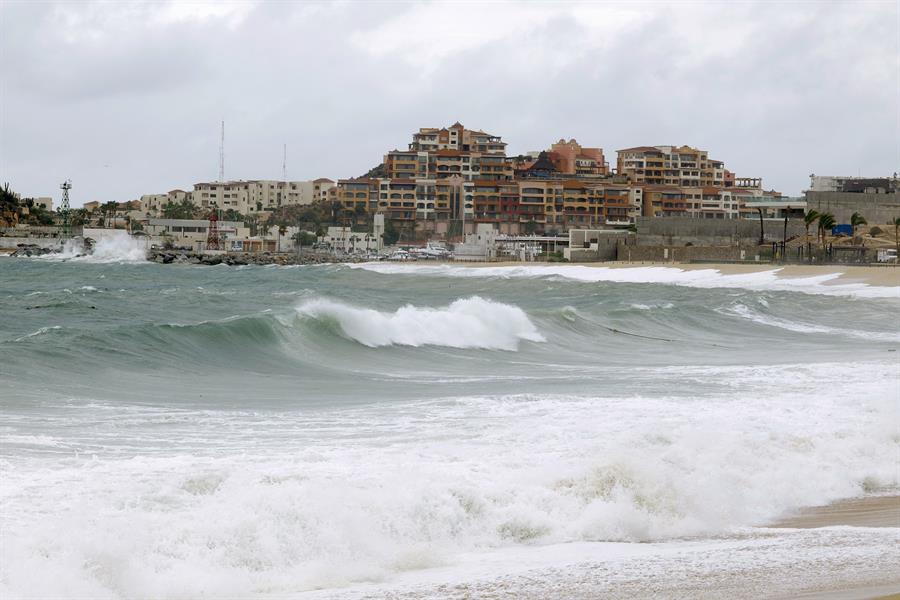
pixel 466 323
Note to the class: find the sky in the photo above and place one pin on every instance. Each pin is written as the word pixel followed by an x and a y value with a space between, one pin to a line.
pixel 127 98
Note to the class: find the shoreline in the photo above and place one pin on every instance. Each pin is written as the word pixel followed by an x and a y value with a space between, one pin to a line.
pixel 863 511
pixel 882 275
pixel 757 568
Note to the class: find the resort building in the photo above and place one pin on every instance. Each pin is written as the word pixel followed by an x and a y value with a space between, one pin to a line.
pixel 680 166
pixel 571 159
pixel 249 197
pixel 447 152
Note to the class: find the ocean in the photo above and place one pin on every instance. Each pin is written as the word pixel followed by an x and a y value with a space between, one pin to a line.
pixel 412 431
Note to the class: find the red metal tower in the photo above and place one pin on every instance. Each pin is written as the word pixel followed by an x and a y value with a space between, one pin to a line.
pixel 212 237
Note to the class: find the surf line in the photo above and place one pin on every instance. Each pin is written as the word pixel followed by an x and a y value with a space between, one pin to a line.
pixel 650 337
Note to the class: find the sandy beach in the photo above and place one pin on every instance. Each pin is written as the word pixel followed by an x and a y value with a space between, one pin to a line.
pixel 870 511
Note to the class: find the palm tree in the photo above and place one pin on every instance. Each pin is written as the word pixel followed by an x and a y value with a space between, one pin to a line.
pixel 856 220
pixel 826 223
pixel 808 219
pixel 109 209
pixel 281 231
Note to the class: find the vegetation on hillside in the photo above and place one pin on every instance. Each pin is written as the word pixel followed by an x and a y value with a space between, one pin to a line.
pixel 375 172
pixel 14 211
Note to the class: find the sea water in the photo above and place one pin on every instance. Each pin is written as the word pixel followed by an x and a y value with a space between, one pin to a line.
pixel 427 431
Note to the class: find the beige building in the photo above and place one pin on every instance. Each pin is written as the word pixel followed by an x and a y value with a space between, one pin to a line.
pixel 679 166
pixel 321 189
pixel 152 205
pixel 45 202
pixel 248 197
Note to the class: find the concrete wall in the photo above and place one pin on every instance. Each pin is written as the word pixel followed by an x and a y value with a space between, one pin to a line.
pixel 590 245
pixel 629 252
pixel 662 253
pixel 878 209
pixel 678 231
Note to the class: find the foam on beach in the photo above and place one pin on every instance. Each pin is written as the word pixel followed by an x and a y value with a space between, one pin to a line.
pixel 764 280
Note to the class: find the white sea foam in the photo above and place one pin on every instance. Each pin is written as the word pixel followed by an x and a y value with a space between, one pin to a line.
pixel 359 494
pixel 652 306
pixel 700 278
pixel 466 323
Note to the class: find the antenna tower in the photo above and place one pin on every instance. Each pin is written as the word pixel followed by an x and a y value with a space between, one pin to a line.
pixel 212 236
pixel 284 165
pixel 222 154
pixel 64 209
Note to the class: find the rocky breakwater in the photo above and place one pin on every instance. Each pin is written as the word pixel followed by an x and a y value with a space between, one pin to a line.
pixel 32 250
pixel 167 257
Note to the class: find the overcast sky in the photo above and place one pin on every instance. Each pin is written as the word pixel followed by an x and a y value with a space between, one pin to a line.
pixel 126 99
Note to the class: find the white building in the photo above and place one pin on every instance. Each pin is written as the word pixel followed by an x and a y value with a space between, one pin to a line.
pixel 194 232
pixel 343 239
pixel 835 183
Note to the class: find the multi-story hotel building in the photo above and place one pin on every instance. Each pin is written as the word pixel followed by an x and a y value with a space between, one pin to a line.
pixel 249 197
pixel 448 152
pixel 152 205
pixel 459 175
pixel 670 165
pixel 685 182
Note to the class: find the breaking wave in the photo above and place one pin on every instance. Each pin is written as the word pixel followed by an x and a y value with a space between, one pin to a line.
pixel 768 280
pixel 466 323
pixel 114 249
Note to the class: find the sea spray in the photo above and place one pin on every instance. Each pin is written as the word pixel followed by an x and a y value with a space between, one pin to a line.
pixel 114 248
pixel 466 323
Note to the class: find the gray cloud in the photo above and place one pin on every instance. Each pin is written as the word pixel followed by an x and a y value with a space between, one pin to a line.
pixel 126 98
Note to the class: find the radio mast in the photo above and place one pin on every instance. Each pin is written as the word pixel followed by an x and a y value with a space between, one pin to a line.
pixel 222 154
pixel 64 209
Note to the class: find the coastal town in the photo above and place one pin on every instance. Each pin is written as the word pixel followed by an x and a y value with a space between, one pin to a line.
pixel 456 193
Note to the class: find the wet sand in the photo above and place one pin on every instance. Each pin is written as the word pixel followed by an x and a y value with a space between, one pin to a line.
pixel 872 511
